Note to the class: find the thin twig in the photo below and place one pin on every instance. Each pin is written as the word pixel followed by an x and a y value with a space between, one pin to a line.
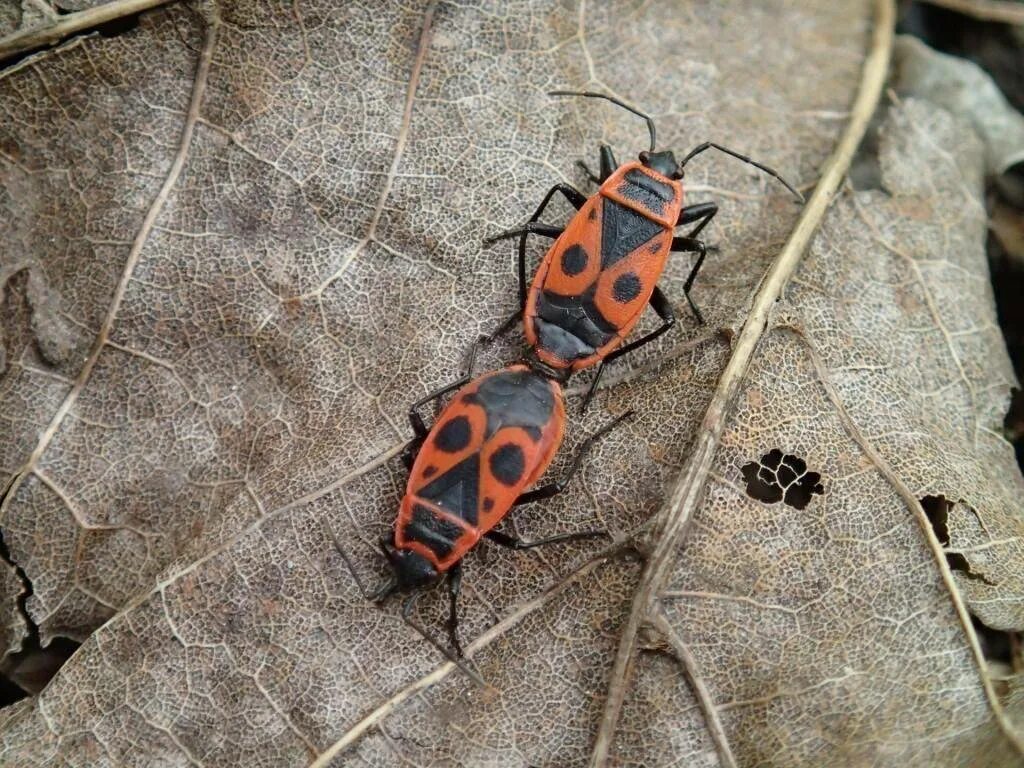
pixel 65 26
pixel 682 654
pixel 674 517
pixel 439 673
pixel 914 504
pixel 1003 11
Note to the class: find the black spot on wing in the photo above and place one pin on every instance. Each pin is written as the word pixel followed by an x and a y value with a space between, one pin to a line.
pixel 453 435
pixel 458 490
pixel 626 287
pixel 574 260
pixel 622 232
pixel 508 464
pixel 432 530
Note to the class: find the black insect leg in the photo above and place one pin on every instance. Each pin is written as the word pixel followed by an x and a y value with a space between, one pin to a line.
pixel 711 145
pixel 573 195
pixel 692 245
pixel 407 608
pixel 702 212
pixel 534 228
pixel 419 427
pixel 454 585
pixel 663 307
pixel 608 166
pixel 553 489
pixel 530 228
pixel 504 540
pixel 410 453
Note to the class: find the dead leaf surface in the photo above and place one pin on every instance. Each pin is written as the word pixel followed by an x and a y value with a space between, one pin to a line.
pixel 240 244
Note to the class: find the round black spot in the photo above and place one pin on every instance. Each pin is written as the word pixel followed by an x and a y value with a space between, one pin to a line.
pixel 508 463
pixel 626 288
pixel 574 260
pixel 454 435
pixel 488 504
pixel 429 471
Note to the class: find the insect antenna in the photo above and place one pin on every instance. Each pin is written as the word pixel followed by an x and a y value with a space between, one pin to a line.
pixel 613 100
pixel 407 607
pixel 388 588
pixel 711 145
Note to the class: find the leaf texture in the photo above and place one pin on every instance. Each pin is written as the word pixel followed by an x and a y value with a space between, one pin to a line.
pixel 244 237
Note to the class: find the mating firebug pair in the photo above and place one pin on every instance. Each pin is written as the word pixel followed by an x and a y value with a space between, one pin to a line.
pixel 500 432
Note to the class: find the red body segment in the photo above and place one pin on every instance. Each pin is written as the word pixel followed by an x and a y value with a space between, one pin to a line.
pixel 495 438
pixel 596 279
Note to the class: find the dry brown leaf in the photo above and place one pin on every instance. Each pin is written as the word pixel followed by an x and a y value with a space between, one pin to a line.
pixel 245 241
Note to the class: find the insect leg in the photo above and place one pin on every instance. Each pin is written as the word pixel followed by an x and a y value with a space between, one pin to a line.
pixel 535 228
pixel 608 165
pixel 702 212
pixel 692 245
pixel 504 540
pixel 530 228
pixel 389 588
pixel 553 489
pixel 711 145
pixel 419 427
pixel 506 326
pixel 454 585
pixel 608 162
pixel 663 307
pixel 593 387
pixel 407 607
pixel 410 453
pixel 573 195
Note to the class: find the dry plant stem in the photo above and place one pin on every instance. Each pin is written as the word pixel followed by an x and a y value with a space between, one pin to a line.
pixel 914 504
pixel 1003 11
pixel 65 26
pixel 674 517
pixel 682 653
pixel 379 713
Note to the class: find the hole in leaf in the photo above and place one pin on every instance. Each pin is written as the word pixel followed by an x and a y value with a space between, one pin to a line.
pixel 937 510
pixel 1006 260
pixel 998 645
pixel 27 672
pixel 782 477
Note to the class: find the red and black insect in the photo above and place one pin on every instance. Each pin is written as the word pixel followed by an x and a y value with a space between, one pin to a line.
pixel 603 268
pixel 494 439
